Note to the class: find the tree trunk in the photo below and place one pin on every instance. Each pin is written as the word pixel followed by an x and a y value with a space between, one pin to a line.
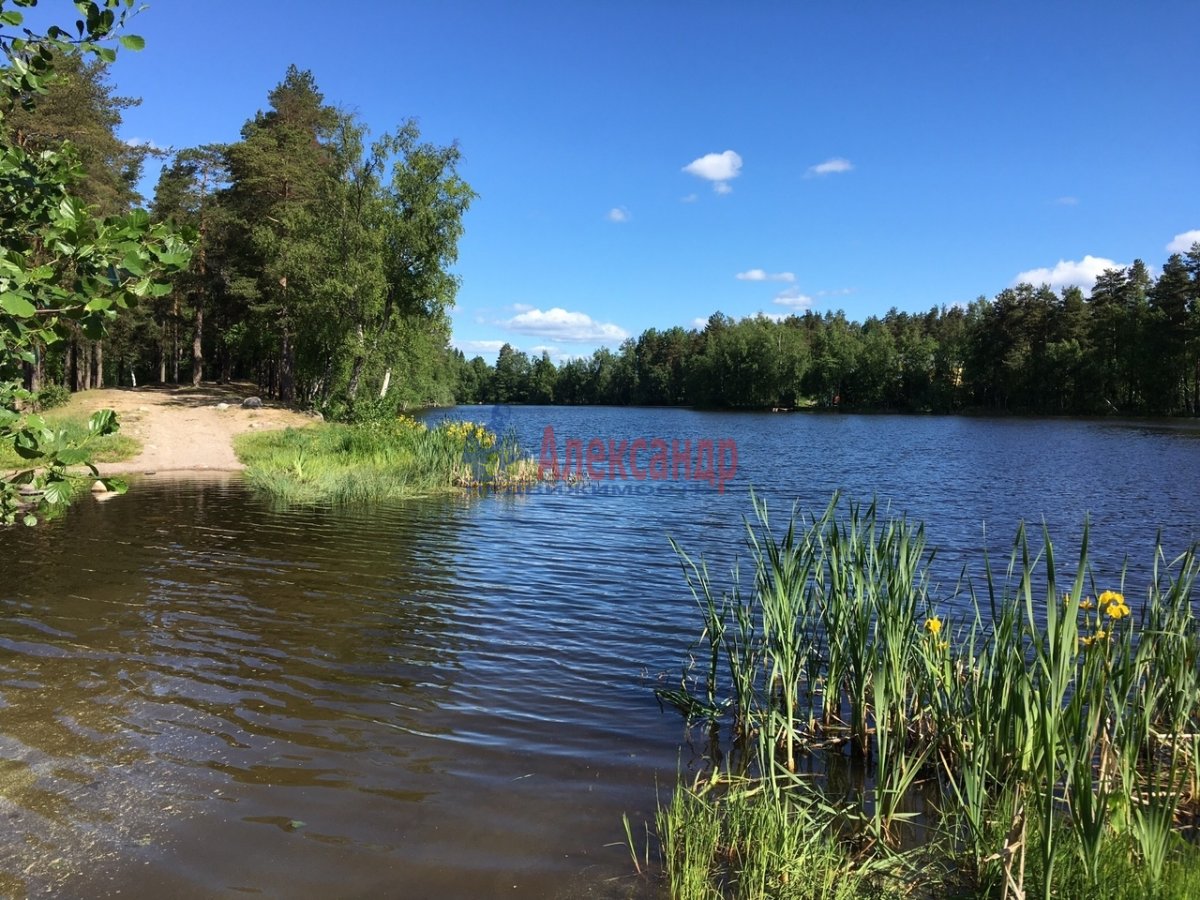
pixel 359 359
pixel 197 351
pixel 175 340
pixel 98 364
pixel 287 381
pixel 387 380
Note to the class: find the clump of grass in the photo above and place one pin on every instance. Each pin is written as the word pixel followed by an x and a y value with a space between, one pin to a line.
pixel 1047 742
pixel 376 460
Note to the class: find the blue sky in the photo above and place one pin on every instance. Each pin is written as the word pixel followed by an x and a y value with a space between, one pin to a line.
pixel 633 159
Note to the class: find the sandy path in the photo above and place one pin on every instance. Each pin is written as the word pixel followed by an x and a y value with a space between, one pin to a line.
pixel 183 429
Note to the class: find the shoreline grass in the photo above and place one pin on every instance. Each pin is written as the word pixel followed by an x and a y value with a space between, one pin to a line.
pixel 383 459
pixel 1042 739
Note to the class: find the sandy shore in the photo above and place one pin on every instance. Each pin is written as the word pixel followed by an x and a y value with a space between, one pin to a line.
pixel 184 429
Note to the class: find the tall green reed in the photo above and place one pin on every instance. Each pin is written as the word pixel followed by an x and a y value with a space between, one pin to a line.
pixel 1057 728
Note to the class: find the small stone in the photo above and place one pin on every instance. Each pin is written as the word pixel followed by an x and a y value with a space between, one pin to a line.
pixel 252 403
pixel 98 487
pixel 222 406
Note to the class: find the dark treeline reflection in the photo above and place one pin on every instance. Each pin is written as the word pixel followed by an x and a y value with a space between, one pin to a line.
pixel 1131 347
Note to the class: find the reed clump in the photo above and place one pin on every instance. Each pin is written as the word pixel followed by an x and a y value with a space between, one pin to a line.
pixel 1040 737
pixel 380 459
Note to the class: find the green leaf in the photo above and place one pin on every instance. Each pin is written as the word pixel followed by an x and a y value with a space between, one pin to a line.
pixel 103 421
pixel 16 305
pixel 72 456
pixel 11 17
pixel 115 485
pixel 27 451
pixel 29 521
pixel 108 54
pixel 133 42
pixel 133 263
pixel 57 492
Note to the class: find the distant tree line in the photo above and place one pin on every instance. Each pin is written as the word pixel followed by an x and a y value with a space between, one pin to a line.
pixel 321 260
pixel 1131 347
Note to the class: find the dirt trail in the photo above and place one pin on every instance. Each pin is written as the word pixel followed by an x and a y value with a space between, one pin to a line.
pixel 183 429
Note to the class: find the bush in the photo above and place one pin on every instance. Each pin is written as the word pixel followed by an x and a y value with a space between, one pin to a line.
pixel 50 397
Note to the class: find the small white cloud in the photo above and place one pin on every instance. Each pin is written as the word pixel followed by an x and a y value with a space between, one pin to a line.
pixel 618 214
pixel 146 142
pixel 1066 201
pixel 699 323
pixel 836 292
pixel 774 317
pixel 763 275
pixel 1182 243
pixel 561 325
pixel 834 166
pixel 690 198
pixel 719 168
pixel 478 348
pixel 793 299
pixel 521 307
pixel 1082 273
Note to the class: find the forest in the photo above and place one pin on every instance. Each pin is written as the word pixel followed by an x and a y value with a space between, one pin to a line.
pixel 322 270
pixel 1132 346
pixel 320 264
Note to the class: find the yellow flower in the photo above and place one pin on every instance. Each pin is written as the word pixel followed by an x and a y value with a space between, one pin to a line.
pixel 1098 636
pixel 1087 603
pixel 943 645
pixel 933 625
pixel 1111 597
pixel 1116 610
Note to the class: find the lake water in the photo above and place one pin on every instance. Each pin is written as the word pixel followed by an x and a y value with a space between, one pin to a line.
pixel 201 694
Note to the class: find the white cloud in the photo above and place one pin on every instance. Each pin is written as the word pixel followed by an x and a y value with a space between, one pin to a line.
pixel 793 299
pixel 1067 201
pixel 719 168
pixel 763 275
pixel 1082 273
pixel 560 325
pixel 1182 243
pixel 834 166
pixel 521 307
pixel 699 323
pixel 836 292
pixel 478 348
pixel 146 142
pixel 618 214
pixel 774 317
pixel 690 198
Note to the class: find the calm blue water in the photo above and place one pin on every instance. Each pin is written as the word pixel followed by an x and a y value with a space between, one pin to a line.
pixel 203 694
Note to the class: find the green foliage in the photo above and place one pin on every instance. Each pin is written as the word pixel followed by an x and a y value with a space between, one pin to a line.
pixel 61 268
pixel 340 249
pixel 50 397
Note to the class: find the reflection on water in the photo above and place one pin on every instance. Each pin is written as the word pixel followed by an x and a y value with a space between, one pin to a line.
pixel 202 694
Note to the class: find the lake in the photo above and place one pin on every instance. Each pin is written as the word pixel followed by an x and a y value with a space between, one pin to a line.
pixel 201 694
